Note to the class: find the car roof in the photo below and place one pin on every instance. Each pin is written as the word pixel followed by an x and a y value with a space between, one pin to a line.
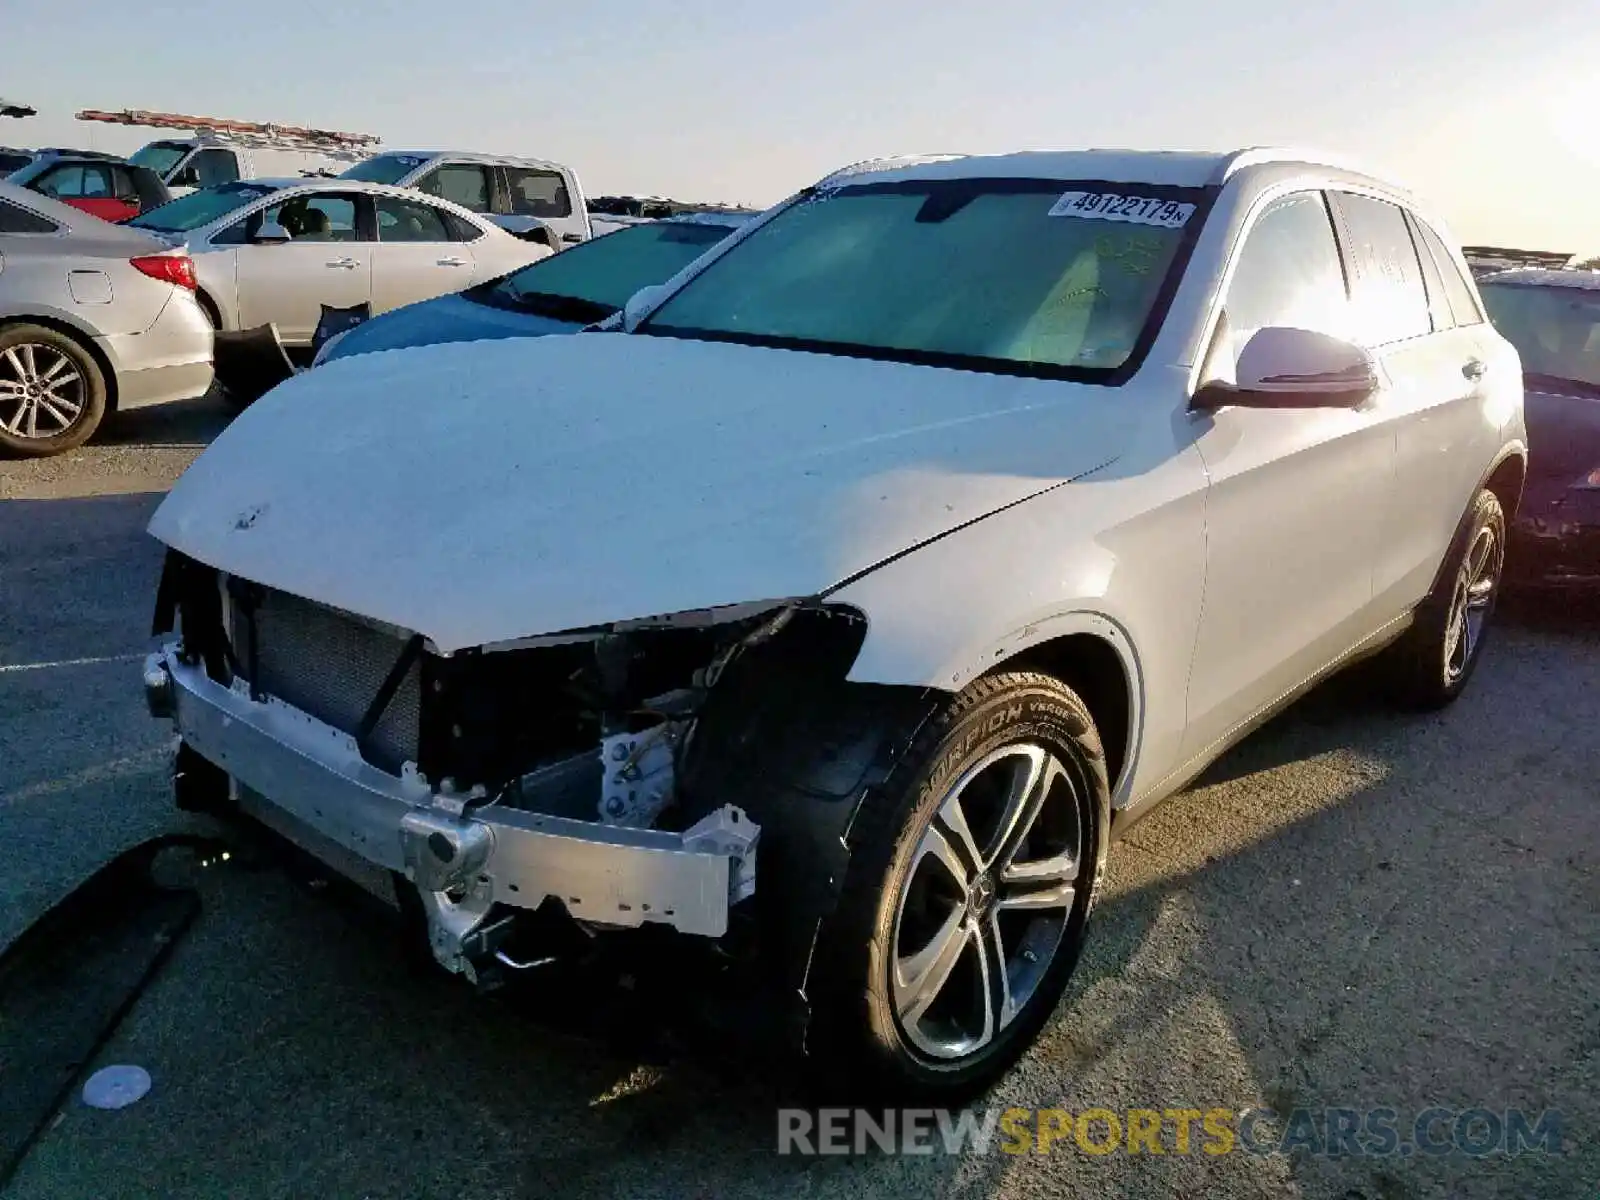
pixel 512 160
pixel 1174 168
pixel 284 183
pixel 1588 281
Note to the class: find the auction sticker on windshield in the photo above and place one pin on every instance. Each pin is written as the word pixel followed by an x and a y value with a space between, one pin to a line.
pixel 1110 206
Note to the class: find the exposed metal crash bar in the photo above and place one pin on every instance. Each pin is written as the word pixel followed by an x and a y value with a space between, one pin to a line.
pixel 467 859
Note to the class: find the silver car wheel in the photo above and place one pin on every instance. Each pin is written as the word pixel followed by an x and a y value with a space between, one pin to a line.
pixel 985 904
pixel 1473 599
pixel 42 392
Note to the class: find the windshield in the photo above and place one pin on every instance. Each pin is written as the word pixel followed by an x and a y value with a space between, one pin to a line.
pixel 190 212
pixel 160 157
pixel 1024 276
pixel 1556 330
pixel 384 168
pixel 603 272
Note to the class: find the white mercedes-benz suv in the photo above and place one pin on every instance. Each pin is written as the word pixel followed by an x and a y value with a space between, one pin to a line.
pixel 840 608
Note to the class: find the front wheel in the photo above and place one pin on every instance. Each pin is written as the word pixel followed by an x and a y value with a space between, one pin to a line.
pixel 1430 666
pixel 971 878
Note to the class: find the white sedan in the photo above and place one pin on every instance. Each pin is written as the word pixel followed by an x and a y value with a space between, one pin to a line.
pixel 278 250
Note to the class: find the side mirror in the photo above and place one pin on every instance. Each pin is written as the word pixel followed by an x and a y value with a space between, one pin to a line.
pixel 270 234
pixel 639 305
pixel 1281 367
pixel 540 234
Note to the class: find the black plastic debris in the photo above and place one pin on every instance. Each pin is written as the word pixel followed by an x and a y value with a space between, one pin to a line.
pixel 69 980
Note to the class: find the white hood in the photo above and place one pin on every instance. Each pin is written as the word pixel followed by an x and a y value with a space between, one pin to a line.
pixel 479 492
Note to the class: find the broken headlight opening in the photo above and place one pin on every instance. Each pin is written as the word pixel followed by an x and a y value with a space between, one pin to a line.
pixel 603 726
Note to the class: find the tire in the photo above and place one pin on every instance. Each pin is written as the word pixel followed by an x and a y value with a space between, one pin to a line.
pixel 1430 666
pixel 873 1030
pixel 52 391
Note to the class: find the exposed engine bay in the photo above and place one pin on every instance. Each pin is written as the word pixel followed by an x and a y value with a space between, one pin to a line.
pixel 600 770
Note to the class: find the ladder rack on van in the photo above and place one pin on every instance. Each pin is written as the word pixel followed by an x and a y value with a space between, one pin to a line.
pixel 350 147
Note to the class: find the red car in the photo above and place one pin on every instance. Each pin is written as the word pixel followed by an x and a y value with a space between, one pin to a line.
pixel 107 187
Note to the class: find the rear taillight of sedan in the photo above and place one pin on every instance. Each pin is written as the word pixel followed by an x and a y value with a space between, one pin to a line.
pixel 172 268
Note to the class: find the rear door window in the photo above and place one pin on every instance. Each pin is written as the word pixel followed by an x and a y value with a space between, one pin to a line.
pixel 536 193
pixel 466 184
pixel 1438 306
pixel 1391 302
pixel 1458 292
pixel 409 221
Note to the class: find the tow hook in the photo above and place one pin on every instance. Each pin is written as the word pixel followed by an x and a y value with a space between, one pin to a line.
pixel 158 689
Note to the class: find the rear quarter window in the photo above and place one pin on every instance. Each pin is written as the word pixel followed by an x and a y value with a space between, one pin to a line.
pixel 15 219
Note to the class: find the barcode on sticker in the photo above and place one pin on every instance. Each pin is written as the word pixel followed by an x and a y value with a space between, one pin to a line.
pixel 1134 210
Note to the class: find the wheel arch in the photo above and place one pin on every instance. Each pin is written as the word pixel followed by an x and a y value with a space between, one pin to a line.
pixel 1504 478
pixel 80 337
pixel 209 306
pixel 1100 667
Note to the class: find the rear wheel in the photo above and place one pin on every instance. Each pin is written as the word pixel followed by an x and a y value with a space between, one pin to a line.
pixel 971 878
pixel 52 391
pixel 1430 666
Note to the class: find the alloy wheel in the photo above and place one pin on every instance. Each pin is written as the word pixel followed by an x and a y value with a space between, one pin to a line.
pixel 1472 602
pixel 42 392
pixel 985 905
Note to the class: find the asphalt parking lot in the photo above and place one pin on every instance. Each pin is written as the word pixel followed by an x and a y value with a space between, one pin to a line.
pixel 1355 909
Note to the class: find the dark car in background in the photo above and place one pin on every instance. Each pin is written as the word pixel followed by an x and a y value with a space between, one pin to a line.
pixel 1553 319
pixel 99 184
pixel 561 294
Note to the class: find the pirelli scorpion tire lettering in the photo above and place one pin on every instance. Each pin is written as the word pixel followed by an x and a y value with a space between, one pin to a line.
pixel 972 874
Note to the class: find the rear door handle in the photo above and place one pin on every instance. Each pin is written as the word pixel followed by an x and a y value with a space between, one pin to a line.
pixel 1475 369
pixel 452 262
pixel 348 264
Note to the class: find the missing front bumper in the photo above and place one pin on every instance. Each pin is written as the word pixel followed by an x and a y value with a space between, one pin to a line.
pixel 464 861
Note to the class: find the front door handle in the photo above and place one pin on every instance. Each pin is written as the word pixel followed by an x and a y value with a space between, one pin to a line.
pixel 347 264
pixel 1474 369
pixel 452 262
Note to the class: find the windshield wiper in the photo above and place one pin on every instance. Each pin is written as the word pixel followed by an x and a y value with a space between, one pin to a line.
pixel 559 308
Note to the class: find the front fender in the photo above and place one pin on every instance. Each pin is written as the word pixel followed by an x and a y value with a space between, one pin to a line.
pixel 1119 555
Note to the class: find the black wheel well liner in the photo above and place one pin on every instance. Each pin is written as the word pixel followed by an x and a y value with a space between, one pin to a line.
pixel 79 338
pixel 209 307
pixel 1505 479
pixel 1092 668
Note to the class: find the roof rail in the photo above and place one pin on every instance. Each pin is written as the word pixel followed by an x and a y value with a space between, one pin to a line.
pixel 1253 156
pixel 264 136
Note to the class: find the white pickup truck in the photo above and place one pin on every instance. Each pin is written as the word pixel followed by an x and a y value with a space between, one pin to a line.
pixel 521 195
pixel 524 196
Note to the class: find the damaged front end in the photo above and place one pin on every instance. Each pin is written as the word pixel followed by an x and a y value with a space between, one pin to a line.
pixel 585 772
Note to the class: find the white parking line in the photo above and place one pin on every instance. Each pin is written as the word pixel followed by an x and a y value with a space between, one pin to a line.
pixel 69 662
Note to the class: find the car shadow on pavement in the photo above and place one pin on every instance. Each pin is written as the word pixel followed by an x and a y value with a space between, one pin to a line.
pixel 189 423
